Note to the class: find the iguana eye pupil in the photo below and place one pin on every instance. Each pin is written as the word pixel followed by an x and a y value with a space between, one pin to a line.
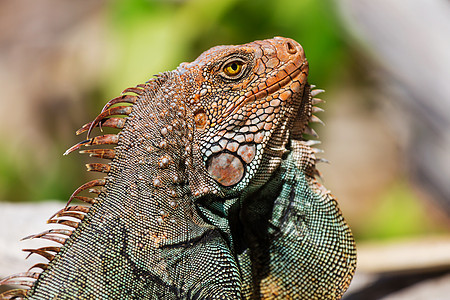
pixel 233 68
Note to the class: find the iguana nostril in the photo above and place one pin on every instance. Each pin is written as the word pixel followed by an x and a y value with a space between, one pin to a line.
pixel 290 47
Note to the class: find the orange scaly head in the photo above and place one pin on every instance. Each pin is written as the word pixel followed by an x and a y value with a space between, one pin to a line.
pixel 246 100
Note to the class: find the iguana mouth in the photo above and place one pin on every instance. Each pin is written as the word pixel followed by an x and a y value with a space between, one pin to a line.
pixel 271 85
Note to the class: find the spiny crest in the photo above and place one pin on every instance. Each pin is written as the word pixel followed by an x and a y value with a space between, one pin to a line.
pixel 312 170
pixel 113 115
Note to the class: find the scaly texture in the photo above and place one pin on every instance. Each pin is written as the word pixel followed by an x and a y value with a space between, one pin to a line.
pixel 302 237
pixel 210 192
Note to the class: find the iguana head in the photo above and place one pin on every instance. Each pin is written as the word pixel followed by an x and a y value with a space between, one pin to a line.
pixel 246 100
pixel 241 105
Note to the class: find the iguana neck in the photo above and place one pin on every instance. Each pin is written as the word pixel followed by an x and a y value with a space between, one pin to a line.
pixel 307 236
pixel 146 205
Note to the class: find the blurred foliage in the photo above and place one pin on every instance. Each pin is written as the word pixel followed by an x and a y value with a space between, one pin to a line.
pixel 154 36
pixel 399 213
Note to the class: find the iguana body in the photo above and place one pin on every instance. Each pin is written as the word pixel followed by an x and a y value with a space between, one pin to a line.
pixel 305 250
pixel 210 193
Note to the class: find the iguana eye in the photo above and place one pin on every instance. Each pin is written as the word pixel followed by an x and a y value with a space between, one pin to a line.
pixel 233 68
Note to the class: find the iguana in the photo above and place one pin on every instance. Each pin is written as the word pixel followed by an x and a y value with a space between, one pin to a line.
pixel 210 191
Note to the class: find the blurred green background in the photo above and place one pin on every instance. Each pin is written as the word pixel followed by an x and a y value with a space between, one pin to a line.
pixel 62 60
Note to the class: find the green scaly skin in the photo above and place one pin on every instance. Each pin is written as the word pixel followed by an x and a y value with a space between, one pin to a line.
pixel 306 250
